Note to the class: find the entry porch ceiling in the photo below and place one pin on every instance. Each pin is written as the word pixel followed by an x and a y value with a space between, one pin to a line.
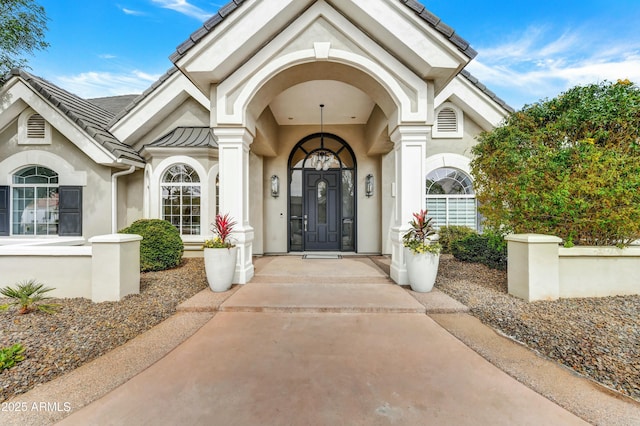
pixel 300 104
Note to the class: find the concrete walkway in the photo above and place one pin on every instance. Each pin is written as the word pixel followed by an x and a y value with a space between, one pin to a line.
pixel 322 354
pixel 319 342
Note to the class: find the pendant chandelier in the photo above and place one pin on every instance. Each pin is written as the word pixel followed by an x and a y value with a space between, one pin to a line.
pixel 322 158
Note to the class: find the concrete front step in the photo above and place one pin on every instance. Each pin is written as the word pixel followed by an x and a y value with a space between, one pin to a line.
pixel 317 297
pixel 285 279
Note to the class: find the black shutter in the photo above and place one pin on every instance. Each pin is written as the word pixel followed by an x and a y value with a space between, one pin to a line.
pixel 70 211
pixel 4 210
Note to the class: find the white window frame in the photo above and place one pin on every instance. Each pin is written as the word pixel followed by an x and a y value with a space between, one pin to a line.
pixel 181 185
pixel 35 187
pixel 155 189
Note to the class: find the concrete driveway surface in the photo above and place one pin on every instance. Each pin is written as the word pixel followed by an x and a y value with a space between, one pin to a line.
pixel 326 342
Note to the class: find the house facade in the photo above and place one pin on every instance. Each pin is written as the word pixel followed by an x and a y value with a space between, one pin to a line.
pixel 317 125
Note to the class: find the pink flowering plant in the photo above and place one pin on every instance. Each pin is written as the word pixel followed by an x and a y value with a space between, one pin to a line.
pixel 222 228
pixel 418 238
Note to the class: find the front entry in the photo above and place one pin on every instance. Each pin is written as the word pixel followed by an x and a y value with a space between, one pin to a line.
pixel 322 195
pixel 321 210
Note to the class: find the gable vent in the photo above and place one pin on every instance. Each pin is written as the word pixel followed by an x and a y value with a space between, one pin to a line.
pixel 35 127
pixel 447 121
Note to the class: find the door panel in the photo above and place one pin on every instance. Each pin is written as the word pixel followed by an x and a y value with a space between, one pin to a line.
pixel 322 209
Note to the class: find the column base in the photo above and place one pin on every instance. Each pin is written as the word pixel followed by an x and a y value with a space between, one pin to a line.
pixel 398 272
pixel 244 267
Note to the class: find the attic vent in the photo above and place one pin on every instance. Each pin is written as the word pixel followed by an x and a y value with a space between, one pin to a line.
pixel 447 121
pixel 35 127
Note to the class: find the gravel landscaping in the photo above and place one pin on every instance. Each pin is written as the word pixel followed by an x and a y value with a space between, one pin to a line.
pixel 82 330
pixel 599 338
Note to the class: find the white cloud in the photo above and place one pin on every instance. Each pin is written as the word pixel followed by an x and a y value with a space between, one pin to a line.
pixel 184 7
pixel 132 12
pixel 540 64
pixel 100 84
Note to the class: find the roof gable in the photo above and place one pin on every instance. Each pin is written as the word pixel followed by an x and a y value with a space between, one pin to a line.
pixel 92 120
pixel 420 10
pixel 418 39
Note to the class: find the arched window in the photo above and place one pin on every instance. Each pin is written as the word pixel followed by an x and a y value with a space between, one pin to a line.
pixel 451 199
pixel 324 156
pixel 35 206
pixel 181 198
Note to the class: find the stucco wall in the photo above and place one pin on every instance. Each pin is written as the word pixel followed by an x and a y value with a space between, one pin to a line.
pixel 97 191
pixel 460 146
pixel 275 209
pixel 130 198
pixel 189 113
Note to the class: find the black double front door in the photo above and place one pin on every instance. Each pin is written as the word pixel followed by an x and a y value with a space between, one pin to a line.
pixel 322 210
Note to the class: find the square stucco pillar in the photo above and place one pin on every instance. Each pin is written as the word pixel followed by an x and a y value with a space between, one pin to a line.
pixel 410 148
pixel 115 266
pixel 533 266
pixel 233 157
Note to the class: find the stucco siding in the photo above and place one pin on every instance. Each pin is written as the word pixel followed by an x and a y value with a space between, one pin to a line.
pixel 95 179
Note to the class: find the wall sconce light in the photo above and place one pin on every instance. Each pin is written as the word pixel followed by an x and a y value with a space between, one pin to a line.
pixel 368 185
pixel 275 186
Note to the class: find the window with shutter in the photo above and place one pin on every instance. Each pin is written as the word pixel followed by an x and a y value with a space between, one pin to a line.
pixel 4 210
pixel 70 208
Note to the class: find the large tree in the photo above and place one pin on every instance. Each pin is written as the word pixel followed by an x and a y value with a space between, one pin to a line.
pixel 22 27
pixel 569 166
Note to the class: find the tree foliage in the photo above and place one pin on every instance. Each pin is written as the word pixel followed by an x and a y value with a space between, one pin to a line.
pixel 569 166
pixel 23 24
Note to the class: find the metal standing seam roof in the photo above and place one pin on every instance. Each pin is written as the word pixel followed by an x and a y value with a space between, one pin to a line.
pixel 191 137
pixel 86 115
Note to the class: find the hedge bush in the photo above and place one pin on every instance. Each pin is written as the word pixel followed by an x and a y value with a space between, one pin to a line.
pixel 161 246
pixel 450 234
pixel 489 249
pixel 569 167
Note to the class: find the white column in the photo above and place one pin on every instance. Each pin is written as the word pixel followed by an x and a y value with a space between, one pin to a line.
pixel 233 152
pixel 410 154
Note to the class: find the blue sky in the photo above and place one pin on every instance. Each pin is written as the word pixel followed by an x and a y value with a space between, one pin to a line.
pixel 527 50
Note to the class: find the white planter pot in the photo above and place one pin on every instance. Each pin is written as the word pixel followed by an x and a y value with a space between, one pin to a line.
pixel 220 266
pixel 422 269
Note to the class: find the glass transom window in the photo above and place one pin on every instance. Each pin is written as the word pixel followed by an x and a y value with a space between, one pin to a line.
pixel 181 198
pixel 35 202
pixel 451 198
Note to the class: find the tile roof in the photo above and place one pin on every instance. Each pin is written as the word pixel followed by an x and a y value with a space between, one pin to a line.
pixel 86 115
pixel 486 91
pixel 114 104
pixel 192 137
pixel 416 6
pixel 143 95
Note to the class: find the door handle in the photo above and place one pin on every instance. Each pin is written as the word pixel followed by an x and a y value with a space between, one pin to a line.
pixel 305 223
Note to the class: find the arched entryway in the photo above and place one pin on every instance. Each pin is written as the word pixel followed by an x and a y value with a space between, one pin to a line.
pixel 322 195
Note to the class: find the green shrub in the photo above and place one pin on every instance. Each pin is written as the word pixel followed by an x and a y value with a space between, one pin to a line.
pixel 10 356
pixel 28 295
pixel 450 234
pixel 161 246
pixel 568 167
pixel 489 249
